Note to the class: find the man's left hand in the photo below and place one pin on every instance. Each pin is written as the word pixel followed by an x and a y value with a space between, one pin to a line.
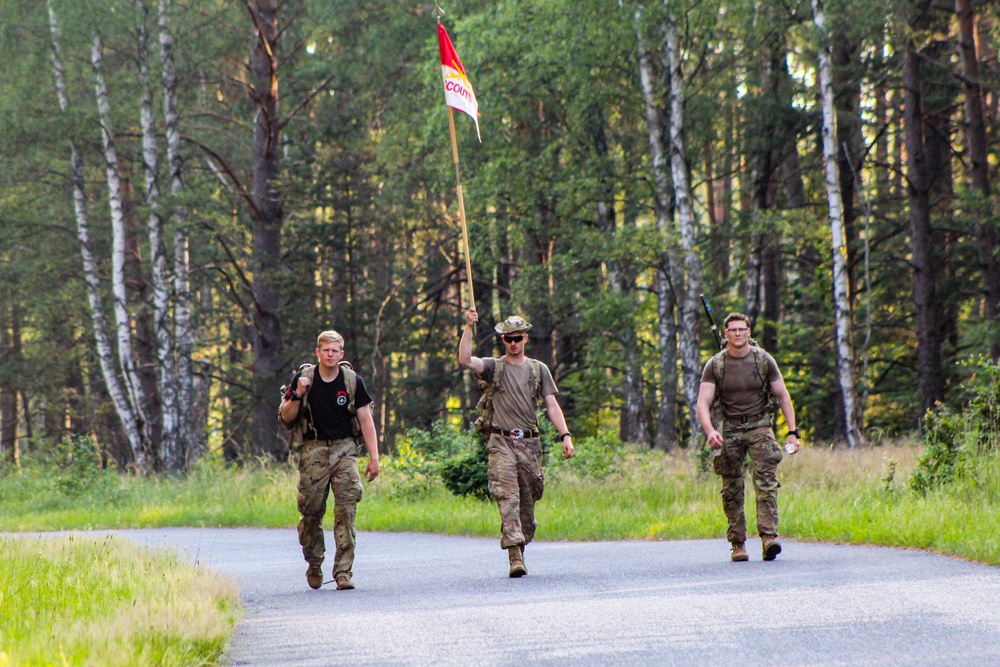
pixel 372 469
pixel 567 445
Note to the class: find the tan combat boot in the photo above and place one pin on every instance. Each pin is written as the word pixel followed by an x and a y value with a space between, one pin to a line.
pixel 314 575
pixel 517 568
pixel 739 553
pixel 344 582
pixel 771 547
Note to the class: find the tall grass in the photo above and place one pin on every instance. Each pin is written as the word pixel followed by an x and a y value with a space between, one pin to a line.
pixel 837 495
pixel 78 601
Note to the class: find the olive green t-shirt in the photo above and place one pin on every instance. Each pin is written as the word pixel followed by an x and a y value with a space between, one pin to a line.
pixel 514 404
pixel 740 393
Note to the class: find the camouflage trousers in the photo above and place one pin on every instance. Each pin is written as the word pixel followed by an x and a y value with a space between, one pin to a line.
pixel 515 483
pixel 325 465
pixel 765 455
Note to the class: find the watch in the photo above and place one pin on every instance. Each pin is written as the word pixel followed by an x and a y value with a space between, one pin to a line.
pixel 565 435
pixel 794 432
pixel 293 396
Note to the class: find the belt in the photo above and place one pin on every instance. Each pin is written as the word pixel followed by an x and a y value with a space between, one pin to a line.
pixel 325 443
pixel 516 433
pixel 748 421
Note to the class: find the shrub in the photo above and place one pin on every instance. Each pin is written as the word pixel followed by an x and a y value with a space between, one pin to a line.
pixel 465 474
pixel 954 438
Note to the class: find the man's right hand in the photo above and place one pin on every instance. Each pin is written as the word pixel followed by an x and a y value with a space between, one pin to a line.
pixel 303 386
pixel 471 316
pixel 715 439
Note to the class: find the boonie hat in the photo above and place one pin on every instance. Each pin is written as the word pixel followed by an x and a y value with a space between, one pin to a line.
pixel 512 325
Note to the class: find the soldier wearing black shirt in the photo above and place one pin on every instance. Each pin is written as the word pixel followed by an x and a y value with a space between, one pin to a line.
pixel 320 404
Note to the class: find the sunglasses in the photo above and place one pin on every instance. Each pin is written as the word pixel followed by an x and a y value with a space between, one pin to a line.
pixel 514 339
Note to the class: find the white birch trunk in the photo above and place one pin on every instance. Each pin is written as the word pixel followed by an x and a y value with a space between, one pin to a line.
pixel 666 430
pixel 105 354
pixel 157 252
pixel 124 327
pixel 183 329
pixel 845 356
pixel 689 348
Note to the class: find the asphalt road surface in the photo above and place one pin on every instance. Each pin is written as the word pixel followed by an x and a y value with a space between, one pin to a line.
pixel 440 600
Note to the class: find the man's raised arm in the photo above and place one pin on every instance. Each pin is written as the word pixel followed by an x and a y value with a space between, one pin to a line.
pixel 465 358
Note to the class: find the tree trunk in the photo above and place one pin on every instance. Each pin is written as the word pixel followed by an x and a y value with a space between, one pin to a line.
pixel 105 353
pixel 976 140
pixel 268 200
pixel 849 144
pixel 167 376
pixel 145 336
pixel 126 356
pixel 691 304
pixel 10 351
pixel 189 444
pixel 930 382
pixel 842 308
pixel 666 421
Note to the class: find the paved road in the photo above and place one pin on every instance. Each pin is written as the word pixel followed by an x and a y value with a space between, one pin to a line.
pixel 440 600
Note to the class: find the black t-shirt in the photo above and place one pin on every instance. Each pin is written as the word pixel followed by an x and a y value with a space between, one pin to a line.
pixel 328 404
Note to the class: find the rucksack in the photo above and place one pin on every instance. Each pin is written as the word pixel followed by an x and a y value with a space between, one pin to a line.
pixel 761 370
pixel 304 417
pixel 484 422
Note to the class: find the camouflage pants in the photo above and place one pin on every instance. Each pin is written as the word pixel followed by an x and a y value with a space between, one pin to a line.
pixel 325 465
pixel 515 483
pixel 765 455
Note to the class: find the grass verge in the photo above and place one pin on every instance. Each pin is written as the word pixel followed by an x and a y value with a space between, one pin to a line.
pixel 80 601
pixel 834 495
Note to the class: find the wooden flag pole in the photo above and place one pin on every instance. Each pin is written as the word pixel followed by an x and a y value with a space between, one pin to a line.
pixel 461 207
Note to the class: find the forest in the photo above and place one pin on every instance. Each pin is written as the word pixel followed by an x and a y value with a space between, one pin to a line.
pixel 194 189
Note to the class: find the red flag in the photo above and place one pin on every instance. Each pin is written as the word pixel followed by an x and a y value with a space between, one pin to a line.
pixel 458 91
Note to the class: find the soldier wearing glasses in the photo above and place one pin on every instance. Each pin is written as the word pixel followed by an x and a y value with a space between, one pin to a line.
pixel 748 383
pixel 515 451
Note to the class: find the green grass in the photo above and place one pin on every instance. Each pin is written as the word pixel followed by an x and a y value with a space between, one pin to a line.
pixel 81 601
pixel 833 495
pixel 75 601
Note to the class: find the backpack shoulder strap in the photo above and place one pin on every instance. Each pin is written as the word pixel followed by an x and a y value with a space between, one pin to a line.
pixel 351 385
pixel 536 377
pixel 498 374
pixel 760 367
pixel 719 368
pixel 350 382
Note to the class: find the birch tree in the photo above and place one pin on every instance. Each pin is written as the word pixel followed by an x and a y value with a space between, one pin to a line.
pixel 842 312
pixel 126 356
pixel 105 353
pixel 184 338
pixel 157 250
pixel 690 361
pixel 666 429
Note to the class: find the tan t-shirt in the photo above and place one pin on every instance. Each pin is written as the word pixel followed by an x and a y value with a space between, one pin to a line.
pixel 741 386
pixel 514 403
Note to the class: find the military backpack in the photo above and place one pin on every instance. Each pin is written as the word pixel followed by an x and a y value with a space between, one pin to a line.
pixel 484 422
pixel 302 423
pixel 761 370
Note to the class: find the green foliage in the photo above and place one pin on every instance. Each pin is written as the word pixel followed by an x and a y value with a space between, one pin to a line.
pixel 944 450
pixel 956 439
pixel 596 457
pixel 65 475
pixel 423 456
pixel 465 474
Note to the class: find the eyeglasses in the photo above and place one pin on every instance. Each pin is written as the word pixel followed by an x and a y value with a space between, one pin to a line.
pixel 737 331
pixel 513 339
